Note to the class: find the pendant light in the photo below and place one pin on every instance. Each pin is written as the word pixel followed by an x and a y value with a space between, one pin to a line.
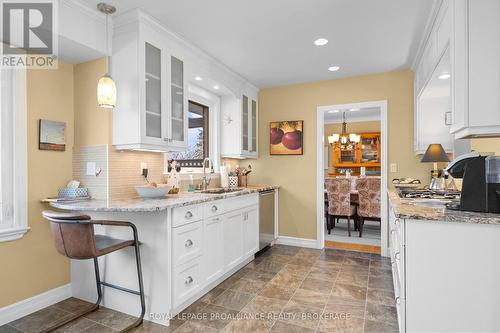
pixel 106 87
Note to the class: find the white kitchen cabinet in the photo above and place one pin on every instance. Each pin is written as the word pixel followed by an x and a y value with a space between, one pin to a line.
pixel 213 254
pixel 250 231
pixel 233 239
pixel 151 101
pixel 475 55
pixel 239 128
pixel 432 109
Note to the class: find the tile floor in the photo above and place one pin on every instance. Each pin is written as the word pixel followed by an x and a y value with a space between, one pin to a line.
pixel 287 289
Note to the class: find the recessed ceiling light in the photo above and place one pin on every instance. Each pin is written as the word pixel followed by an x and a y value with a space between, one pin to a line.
pixel 444 76
pixel 354 109
pixel 333 68
pixel 216 87
pixel 198 78
pixel 321 41
pixel 333 111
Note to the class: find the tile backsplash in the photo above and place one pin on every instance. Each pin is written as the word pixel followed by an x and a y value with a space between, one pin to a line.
pixel 97 184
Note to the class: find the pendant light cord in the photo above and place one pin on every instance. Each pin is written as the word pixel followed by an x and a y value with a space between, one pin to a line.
pixel 107 47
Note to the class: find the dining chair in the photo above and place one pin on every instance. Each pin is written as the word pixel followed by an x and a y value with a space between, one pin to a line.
pixel 74 238
pixel 369 201
pixel 339 202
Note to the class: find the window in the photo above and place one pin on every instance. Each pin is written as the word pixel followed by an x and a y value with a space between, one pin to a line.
pixel 198 138
pixel 13 174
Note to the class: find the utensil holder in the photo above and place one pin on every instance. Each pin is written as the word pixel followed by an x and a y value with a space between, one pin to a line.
pixel 242 180
pixel 233 181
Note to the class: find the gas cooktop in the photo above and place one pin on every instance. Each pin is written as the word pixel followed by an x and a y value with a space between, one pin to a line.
pixel 422 193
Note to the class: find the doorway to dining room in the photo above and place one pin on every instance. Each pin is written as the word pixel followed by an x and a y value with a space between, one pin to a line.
pixel 351 174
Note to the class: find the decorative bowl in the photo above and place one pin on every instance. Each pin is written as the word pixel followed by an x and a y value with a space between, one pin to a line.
pixel 148 191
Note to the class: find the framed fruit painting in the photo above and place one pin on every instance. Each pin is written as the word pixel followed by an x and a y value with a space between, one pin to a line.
pixel 286 138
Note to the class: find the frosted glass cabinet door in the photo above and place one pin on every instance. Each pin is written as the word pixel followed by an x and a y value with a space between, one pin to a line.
pixel 254 126
pixel 153 91
pixel 177 119
pixel 244 123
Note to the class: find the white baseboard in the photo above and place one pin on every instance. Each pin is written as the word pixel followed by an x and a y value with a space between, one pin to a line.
pixel 33 304
pixel 295 241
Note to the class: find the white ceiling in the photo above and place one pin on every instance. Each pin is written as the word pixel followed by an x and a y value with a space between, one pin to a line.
pixel 270 42
pixel 363 114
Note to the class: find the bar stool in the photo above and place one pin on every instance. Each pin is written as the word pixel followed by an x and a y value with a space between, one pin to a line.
pixel 74 238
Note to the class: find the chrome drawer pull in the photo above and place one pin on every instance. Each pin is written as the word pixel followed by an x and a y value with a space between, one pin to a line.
pixel 397 255
pixel 188 280
pixel 188 243
pixel 396 222
pixel 398 300
pixel 188 215
pixel 214 208
pixel 393 231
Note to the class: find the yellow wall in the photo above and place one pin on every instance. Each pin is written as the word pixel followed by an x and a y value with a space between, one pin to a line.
pixel 92 123
pixel 486 145
pixel 31 265
pixel 297 174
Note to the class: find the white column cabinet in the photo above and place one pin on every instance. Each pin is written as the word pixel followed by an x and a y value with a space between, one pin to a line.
pixel 250 231
pixel 475 55
pixel 151 101
pixel 239 130
pixel 213 254
pixel 233 239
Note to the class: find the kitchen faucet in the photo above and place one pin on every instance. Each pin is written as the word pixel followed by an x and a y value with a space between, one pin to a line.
pixel 204 181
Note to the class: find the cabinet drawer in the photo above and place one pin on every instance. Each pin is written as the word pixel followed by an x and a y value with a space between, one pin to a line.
pixel 187 214
pixel 187 242
pixel 213 208
pixel 186 281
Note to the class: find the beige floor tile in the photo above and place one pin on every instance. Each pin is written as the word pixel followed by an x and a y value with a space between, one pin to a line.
pixel 381 296
pixel 248 286
pixel 301 314
pixel 381 313
pixel 233 300
pixel 349 291
pixel 281 327
pixel 320 286
pixel 380 327
pixel 261 304
pixel 311 298
pixel 288 280
pixel 342 324
pixel 338 306
pixel 273 291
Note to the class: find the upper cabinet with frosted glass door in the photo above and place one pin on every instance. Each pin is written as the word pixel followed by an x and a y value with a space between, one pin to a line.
pixel 239 127
pixel 151 102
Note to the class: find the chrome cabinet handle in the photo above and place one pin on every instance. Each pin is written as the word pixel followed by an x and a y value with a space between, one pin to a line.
pixel 398 300
pixel 188 243
pixel 397 255
pixel 214 208
pixel 393 231
pixel 396 222
pixel 188 215
pixel 188 280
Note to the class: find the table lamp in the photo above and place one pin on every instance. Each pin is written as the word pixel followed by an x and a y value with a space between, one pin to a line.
pixel 435 153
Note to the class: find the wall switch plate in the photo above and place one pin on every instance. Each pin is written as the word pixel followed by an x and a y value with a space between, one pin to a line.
pixel 143 166
pixel 91 167
pixel 394 167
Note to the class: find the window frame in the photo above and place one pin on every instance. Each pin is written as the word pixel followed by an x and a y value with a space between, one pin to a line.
pixel 17 226
pixel 204 97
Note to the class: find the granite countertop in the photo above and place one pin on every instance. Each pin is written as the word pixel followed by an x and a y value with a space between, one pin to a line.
pixel 153 205
pixel 409 209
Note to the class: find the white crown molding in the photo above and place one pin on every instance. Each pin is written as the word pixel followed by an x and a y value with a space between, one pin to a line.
pixel 427 31
pixel 84 8
pixel 33 304
pixel 138 15
pixel 352 119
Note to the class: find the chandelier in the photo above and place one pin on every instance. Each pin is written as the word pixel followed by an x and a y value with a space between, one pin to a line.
pixel 344 141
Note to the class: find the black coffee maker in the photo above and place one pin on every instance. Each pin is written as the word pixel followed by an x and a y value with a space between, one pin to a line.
pixel 481 182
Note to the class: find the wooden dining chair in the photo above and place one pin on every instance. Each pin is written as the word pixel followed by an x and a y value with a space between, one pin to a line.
pixel 369 201
pixel 74 238
pixel 339 202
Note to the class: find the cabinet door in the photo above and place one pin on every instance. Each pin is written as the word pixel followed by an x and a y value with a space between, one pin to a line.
pixel 153 116
pixel 233 239
pixel 177 131
pixel 213 253
pixel 250 231
pixel 459 65
pixel 245 124
pixel 253 125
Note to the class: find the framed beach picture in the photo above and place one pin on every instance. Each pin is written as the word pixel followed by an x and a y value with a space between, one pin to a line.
pixel 52 135
pixel 286 138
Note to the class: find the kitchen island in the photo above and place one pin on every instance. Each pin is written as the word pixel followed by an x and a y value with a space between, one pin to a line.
pixel 445 267
pixel 190 242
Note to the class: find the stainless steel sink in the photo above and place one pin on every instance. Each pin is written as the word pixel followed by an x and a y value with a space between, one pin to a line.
pixel 221 190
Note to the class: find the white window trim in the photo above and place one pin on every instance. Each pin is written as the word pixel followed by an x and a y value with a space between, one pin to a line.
pixel 204 97
pixel 18 225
